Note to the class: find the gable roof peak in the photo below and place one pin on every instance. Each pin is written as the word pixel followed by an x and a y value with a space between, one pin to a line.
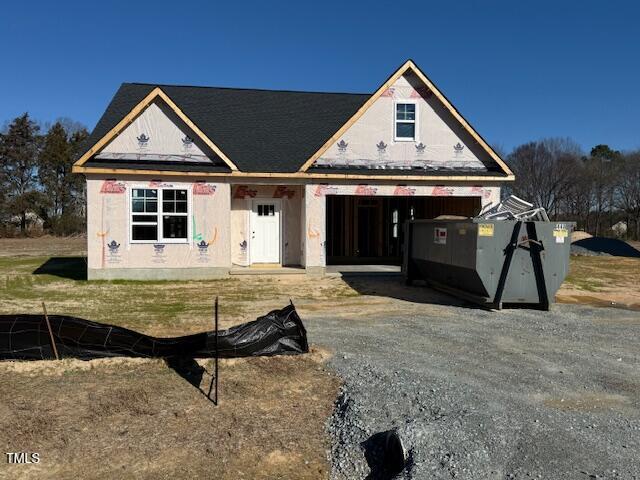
pixel 157 93
pixel 410 64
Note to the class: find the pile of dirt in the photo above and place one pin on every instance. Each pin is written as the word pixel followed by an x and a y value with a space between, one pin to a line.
pixel 603 246
pixel 579 235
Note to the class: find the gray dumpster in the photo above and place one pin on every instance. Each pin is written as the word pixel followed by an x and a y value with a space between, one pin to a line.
pixel 490 262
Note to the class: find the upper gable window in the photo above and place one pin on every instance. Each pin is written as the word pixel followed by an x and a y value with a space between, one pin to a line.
pixel 405 121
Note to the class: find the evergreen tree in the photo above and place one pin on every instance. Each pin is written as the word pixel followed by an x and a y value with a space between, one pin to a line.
pixel 54 169
pixel 4 210
pixel 78 185
pixel 65 190
pixel 604 166
pixel 18 162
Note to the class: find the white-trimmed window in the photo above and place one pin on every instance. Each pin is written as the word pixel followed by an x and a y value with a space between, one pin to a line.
pixel 405 121
pixel 159 215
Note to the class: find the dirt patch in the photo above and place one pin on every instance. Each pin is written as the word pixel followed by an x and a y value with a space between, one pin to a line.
pixel 69 366
pixel 579 235
pixel 589 402
pixel 597 299
pixel 602 282
pixel 144 419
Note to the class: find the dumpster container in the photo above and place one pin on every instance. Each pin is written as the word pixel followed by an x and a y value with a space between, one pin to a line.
pixel 490 262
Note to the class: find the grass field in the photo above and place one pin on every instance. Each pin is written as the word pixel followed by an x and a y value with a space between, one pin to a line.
pixel 137 418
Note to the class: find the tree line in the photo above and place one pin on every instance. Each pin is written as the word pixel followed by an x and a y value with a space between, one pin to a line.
pixel 38 192
pixel 600 191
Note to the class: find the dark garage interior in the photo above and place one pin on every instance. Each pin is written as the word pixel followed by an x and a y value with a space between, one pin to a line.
pixel 370 230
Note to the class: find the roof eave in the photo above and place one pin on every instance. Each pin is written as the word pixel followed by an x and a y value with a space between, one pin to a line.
pixel 297 175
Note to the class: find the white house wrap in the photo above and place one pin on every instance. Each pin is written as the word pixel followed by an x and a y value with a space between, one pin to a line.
pixel 196 182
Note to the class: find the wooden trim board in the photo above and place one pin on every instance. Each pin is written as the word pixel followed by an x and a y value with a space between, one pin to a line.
pixel 298 175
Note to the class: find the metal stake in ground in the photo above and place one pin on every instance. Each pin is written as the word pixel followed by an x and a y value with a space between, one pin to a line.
pixel 53 342
pixel 214 378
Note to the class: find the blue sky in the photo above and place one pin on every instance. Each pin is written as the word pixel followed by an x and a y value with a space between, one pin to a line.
pixel 518 71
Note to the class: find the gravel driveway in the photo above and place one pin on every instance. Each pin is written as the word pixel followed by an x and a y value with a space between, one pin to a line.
pixel 476 394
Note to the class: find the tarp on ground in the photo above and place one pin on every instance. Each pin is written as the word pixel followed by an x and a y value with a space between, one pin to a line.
pixel 26 337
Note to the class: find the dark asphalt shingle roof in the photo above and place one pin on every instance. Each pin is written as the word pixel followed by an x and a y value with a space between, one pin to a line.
pixel 259 130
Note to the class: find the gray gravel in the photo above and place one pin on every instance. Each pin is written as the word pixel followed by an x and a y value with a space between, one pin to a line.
pixel 477 394
pixel 585 252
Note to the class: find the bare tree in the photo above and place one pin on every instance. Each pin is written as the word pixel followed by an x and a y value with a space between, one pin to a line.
pixel 604 168
pixel 577 203
pixel 628 192
pixel 544 171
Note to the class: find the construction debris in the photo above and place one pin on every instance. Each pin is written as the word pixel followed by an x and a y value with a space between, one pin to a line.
pixel 513 208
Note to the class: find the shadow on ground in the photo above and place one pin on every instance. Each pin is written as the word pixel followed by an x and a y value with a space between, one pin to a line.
pixel 394 286
pixel 71 268
pixel 384 454
pixel 191 371
pixel 187 368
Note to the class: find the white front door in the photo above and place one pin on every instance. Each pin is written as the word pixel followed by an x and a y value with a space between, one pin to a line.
pixel 265 231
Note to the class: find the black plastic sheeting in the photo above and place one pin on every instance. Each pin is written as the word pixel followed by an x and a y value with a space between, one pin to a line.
pixel 26 337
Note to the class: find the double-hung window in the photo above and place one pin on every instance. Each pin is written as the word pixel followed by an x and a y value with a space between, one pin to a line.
pixel 159 215
pixel 405 121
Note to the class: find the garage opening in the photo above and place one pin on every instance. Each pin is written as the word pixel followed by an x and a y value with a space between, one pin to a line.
pixel 369 230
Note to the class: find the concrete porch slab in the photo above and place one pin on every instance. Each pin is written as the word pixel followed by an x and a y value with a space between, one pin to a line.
pixel 332 270
pixel 266 270
pixel 363 270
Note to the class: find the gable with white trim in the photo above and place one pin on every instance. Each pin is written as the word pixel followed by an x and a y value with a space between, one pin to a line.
pixel 440 142
pixel 157 134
